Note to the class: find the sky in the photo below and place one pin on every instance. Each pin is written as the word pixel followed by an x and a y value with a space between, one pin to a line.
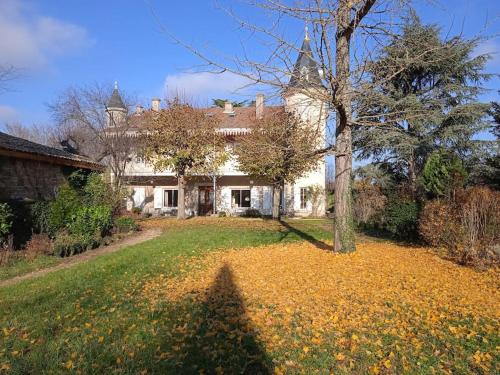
pixel 60 43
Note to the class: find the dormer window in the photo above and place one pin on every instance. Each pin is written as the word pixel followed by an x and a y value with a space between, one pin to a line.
pixel 304 73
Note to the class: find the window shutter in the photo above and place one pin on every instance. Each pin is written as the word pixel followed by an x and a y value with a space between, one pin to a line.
pixel 158 198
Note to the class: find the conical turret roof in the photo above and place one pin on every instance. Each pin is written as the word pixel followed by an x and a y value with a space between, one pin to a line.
pixel 116 100
pixel 305 72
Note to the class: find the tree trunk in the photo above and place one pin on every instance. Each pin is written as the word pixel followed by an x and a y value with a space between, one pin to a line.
pixel 181 201
pixel 344 224
pixel 276 202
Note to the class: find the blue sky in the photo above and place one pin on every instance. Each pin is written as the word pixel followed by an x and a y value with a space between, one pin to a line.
pixel 61 43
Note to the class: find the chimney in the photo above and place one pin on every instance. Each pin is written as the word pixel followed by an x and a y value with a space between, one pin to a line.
pixel 259 106
pixel 139 109
pixel 228 107
pixel 155 104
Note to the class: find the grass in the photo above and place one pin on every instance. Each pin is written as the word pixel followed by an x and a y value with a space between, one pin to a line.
pixel 23 266
pixel 178 304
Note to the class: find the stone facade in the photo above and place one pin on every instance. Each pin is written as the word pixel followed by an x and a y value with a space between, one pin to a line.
pixel 29 179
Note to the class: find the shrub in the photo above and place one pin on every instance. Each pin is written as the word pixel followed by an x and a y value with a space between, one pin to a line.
pixel 98 192
pixel 252 212
pixel 91 220
pixel 136 210
pixel 443 174
pixel 401 218
pixel 40 216
pixel 69 244
pixel 5 221
pixel 72 244
pixel 125 224
pixel 39 244
pixel 67 202
pixel 222 214
pixel 467 227
pixel 438 224
pixel 369 204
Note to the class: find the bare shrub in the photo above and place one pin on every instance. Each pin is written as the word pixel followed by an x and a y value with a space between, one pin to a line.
pixel 369 203
pixel 39 244
pixel 467 227
pixel 480 220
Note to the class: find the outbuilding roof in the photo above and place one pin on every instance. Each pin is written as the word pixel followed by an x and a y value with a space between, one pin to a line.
pixel 21 148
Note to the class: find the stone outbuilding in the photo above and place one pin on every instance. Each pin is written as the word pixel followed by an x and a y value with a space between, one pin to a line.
pixel 31 171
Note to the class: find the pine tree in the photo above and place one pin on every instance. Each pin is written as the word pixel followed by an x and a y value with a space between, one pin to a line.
pixel 436 89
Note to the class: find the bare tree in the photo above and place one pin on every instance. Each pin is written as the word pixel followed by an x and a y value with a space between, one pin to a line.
pixel 280 148
pixel 95 121
pixel 181 139
pixel 40 133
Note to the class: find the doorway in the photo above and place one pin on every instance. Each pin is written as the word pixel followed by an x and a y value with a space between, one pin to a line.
pixel 205 200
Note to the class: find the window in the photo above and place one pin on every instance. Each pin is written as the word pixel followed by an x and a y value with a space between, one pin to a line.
pixel 240 198
pixel 170 198
pixel 303 198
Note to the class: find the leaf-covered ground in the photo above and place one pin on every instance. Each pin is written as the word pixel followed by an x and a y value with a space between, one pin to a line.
pixel 384 308
pixel 249 296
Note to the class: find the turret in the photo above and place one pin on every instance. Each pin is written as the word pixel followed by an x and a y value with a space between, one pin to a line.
pixel 115 108
pixel 305 89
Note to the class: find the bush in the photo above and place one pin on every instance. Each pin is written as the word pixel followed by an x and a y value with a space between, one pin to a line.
pixel 443 174
pixel 401 218
pixel 39 244
pixel 40 216
pixel 72 244
pixel 91 220
pixel 136 210
pixel 98 192
pixel 125 224
pixel 5 221
pixel 369 204
pixel 67 202
pixel 468 227
pixel 222 214
pixel 252 212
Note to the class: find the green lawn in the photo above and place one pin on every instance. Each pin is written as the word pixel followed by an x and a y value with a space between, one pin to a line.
pixel 173 305
pixel 24 266
pixel 92 317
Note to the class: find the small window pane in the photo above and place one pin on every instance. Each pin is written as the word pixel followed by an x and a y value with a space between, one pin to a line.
pixel 245 198
pixel 235 198
pixel 170 198
pixel 303 199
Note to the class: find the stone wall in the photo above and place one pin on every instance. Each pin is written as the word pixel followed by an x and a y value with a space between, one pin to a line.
pixel 29 179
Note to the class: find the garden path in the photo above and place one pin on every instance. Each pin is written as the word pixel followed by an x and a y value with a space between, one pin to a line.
pixel 88 255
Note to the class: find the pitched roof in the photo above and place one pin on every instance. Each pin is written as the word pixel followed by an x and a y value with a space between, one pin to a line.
pixel 241 118
pixel 116 100
pixel 305 72
pixel 22 148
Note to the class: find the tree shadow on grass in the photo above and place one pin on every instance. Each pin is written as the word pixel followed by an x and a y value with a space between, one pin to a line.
pixel 318 243
pixel 224 340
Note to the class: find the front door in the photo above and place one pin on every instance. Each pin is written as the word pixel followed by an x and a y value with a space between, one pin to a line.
pixel 205 200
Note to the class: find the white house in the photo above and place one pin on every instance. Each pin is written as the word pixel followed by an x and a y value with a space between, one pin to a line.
pixel 232 191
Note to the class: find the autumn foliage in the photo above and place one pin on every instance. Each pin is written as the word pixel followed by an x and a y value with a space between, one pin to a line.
pixel 467 226
pixel 383 309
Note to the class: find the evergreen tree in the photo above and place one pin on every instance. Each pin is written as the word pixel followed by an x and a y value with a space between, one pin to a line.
pixel 436 90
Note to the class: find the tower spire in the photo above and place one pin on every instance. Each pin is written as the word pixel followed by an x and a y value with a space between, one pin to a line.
pixel 116 85
pixel 306 32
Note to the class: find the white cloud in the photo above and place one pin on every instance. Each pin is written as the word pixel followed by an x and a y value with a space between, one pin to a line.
pixel 491 47
pixel 7 114
pixel 205 85
pixel 29 40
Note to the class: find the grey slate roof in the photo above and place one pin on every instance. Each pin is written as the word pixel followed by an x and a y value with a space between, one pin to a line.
pixel 11 143
pixel 305 72
pixel 116 100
